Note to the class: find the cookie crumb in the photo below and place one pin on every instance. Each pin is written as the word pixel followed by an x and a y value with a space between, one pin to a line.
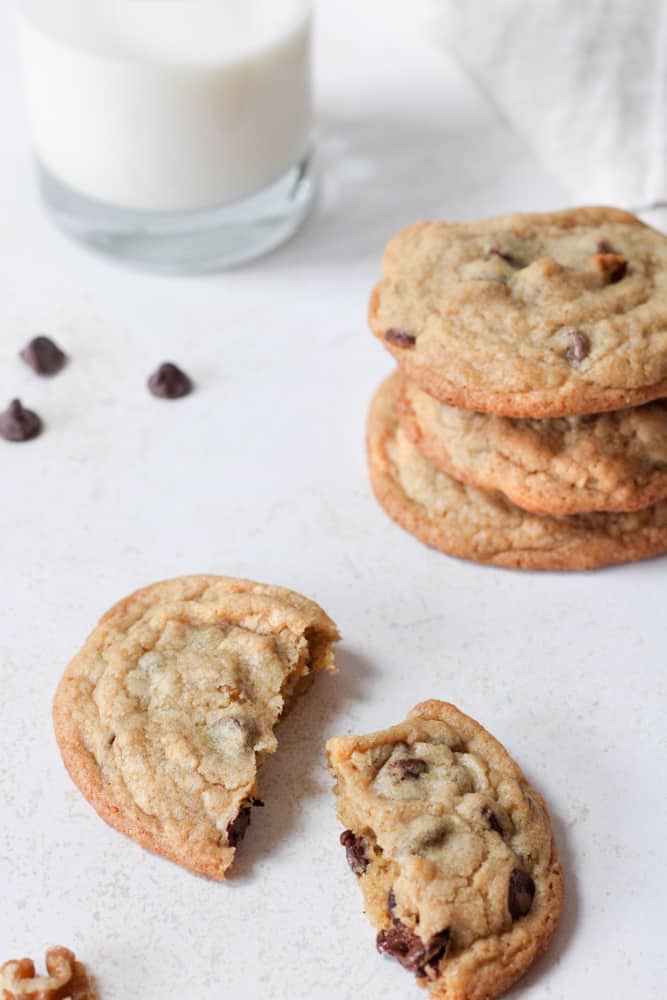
pixel 66 978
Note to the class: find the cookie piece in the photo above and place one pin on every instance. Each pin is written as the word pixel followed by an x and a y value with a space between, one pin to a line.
pixel 486 527
pixel 568 465
pixel 67 979
pixel 543 315
pixel 462 879
pixel 166 713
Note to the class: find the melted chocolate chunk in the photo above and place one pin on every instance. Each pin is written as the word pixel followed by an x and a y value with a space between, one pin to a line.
pixel 237 828
pixel 618 271
pixel 604 247
pixel 520 893
pixel 400 943
pixel 495 251
pixel 611 267
pixel 408 768
pixel 355 851
pixel 43 356
pixel 578 348
pixel 400 338
pixel 169 382
pixel 491 818
pixel 19 424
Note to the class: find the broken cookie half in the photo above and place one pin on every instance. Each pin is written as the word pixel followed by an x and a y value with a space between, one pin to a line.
pixel 452 848
pixel 166 713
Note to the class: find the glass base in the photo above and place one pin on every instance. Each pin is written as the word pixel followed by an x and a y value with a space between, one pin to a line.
pixel 185 242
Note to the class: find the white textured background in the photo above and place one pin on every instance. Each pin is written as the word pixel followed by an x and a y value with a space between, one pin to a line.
pixel 262 473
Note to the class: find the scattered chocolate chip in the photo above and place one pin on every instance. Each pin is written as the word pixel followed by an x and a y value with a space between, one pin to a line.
pixel 169 382
pixel 355 851
pixel 400 943
pixel 400 338
pixel 578 348
pixel 495 251
pixel 491 818
pixel 391 902
pixel 19 424
pixel 604 247
pixel 237 828
pixel 520 893
pixel 407 768
pixel 43 356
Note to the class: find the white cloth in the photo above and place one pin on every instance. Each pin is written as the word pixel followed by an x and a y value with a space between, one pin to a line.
pixel 584 82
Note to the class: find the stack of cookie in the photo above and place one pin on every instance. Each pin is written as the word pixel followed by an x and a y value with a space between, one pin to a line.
pixel 526 424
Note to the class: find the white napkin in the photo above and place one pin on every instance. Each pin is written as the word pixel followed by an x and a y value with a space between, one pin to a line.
pixel 584 82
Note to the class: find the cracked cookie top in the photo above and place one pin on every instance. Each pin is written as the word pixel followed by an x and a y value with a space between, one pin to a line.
pixel 459 873
pixel 166 713
pixel 541 315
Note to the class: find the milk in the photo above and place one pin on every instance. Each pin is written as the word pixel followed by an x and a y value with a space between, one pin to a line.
pixel 168 105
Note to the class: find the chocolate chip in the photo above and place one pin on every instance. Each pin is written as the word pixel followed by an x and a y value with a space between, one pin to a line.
pixel 611 267
pixel 355 851
pixel 19 424
pixel 618 271
pixel 578 348
pixel 495 251
pixel 408 768
pixel 491 818
pixel 520 893
pixel 604 247
pixel 43 356
pixel 169 382
pixel 400 943
pixel 391 902
pixel 237 828
pixel 400 338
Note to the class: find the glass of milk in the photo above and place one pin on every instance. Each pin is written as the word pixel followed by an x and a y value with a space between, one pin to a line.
pixel 172 133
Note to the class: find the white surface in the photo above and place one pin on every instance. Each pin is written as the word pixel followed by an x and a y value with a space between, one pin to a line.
pixel 595 108
pixel 262 473
pixel 168 105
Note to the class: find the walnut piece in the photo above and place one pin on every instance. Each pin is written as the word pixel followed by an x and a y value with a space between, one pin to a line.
pixel 67 979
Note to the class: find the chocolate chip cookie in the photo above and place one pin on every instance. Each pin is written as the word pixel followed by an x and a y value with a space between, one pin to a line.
pixel 543 315
pixel 569 465
pixel 486 527
pixel 452 848
pixel 166 713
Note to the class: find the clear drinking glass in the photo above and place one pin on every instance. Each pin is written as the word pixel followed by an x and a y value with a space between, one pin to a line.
pixel 172 133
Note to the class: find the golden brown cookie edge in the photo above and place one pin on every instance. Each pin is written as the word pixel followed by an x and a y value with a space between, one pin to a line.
pixel 557 503
pixel 575 555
